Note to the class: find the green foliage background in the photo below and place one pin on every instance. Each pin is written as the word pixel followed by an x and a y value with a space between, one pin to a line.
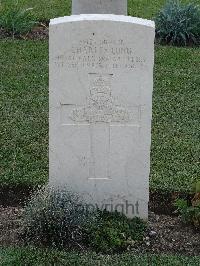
pixel 47 9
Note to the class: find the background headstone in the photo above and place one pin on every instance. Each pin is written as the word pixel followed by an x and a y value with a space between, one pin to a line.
pixel 101 82
pixel 117 7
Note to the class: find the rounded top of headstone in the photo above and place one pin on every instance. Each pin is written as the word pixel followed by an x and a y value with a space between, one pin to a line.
pixel 103 17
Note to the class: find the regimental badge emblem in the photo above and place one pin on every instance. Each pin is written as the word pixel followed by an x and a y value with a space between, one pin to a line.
pixel 101 105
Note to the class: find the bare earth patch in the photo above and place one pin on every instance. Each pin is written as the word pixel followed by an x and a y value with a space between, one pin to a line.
pixel 172 236
pixel 40 32
pixel 166 234
pixel 9 225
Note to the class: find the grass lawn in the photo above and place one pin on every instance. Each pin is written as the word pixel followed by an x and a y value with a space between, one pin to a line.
pixel 24 115
pixel 46 9
pixel 29 256
pixel 24 112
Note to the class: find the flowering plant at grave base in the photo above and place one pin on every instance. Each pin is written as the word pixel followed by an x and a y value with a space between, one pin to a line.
pixel 59 218
pixel 178 24
pixel 56 217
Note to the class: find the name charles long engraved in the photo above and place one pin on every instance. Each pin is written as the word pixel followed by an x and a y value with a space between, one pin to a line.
pixel 104 54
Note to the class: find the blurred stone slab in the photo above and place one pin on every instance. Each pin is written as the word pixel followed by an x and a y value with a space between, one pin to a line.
pixel 101 83
pixel 117 7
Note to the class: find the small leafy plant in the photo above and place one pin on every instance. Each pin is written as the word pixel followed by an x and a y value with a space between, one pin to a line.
pixel 59 218
pixel 56 218
pixel 114 232
pixel 190 213
pixel 14 19
pixel 178 24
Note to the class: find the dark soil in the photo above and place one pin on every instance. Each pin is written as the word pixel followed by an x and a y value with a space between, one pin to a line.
pixel 165 234
pixel 15 195
pixel 160 202
pixel 9 226
pixel 171 236
pixel 40 32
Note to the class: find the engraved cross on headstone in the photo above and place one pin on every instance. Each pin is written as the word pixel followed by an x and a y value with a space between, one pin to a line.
pixel 101 109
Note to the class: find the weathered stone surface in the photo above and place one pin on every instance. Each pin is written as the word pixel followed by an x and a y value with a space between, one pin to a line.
pixel 101 82
pixel 117 7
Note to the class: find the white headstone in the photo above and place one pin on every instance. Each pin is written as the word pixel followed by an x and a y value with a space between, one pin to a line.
pixel 101 82
pixel 117 7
